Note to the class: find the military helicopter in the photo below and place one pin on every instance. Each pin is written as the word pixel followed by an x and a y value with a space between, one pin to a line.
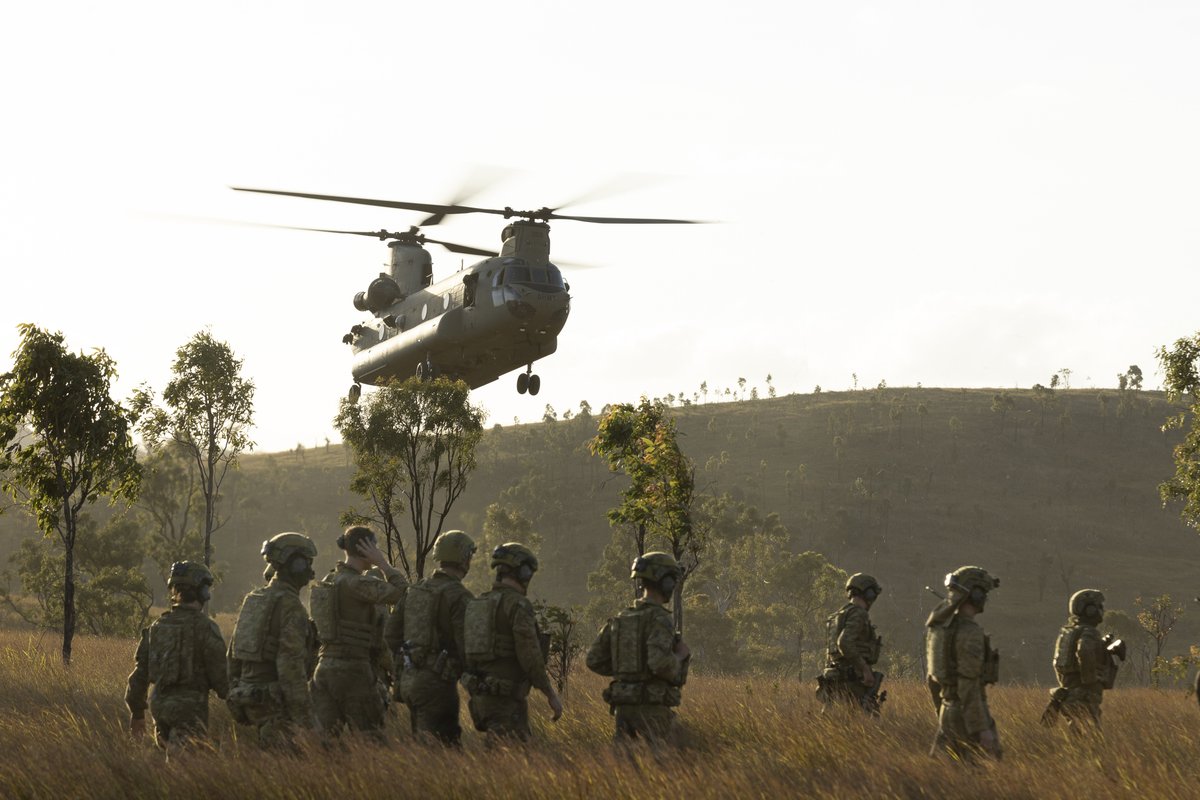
pixel 499 314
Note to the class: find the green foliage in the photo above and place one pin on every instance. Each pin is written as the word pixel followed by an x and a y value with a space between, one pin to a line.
pixel 67 443
pixel 1182 382
pixel 209 411
pixel 500 524
pixel 112 596
pixel 414 449
pixel 642 442
pixel 167 506
pixel 562 625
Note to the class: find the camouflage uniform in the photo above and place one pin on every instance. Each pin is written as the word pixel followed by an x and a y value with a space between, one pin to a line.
pixel 960 665
pixel 346 687
pixel 432 657
pixel 1083 663
pixel 183 654
pixel 853 647
pixel 637 649
pixel 499 685
pixel 272 654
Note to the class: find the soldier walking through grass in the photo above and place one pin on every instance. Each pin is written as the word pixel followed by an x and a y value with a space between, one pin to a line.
pixel 426 636
pixel 961 663
pixel 349 688
pixel 852 650
pixel 182 653
pixel 506 653
pixel 1085 663
pixel 272 652
pixel 647 661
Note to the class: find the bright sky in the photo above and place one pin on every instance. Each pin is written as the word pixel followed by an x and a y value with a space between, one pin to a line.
pixel 951 193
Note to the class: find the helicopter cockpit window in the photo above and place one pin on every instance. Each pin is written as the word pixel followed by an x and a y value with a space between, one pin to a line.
pixel 547 278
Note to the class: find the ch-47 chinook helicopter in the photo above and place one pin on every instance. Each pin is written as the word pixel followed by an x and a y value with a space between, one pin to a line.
pixel 499 314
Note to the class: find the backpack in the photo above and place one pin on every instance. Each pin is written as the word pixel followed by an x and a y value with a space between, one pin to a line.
pixel 171 650
pixel 479 627
pixel 249 641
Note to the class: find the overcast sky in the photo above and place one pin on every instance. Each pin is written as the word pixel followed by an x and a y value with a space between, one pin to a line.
pixel 950 193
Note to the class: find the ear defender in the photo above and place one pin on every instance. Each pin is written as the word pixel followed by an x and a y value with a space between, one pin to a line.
pixel 298 565
pixel 341 541
pixel 667 584
pixel 205 593
pixel 524 573
pixel 870 594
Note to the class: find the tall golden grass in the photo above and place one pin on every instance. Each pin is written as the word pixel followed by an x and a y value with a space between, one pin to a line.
pixel 63 735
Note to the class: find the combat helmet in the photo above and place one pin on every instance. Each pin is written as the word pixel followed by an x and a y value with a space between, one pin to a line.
pixel 865 585
pixel 1086 599
pixel 455 547
pixel 517 557
pixel 189 574
pixel 657 567
pixel 973 583
pixel 281 547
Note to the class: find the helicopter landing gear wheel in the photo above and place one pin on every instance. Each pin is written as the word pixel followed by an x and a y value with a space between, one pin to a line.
pixel 425 370
pixel 523 383
pixel 355 393
pixel 535 384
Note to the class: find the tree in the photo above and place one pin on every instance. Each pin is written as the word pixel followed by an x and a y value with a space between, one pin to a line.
pixel 501 523
pixel 1182 382
pixel 1158 619
pixel 112 595
pixel 209 411
pixel 642 442
pixel 414 449
pixel 167 507
pixel 66 443
pixel 561 624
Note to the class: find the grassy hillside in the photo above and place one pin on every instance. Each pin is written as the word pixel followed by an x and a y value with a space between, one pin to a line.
pixel 903 483
pixel 63 735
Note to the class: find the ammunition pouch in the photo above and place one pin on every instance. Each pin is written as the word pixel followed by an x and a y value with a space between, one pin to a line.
pixel 477 684
pixel 245 695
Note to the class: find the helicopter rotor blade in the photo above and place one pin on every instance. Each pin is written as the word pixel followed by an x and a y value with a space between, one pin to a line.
pixel 430 208
pixel 626 220
pixel 461 248
pixel 619 184
pixel 478 179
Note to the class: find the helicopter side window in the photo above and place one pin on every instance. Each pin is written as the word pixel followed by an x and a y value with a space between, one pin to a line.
pixel 469 284
pixel 516 275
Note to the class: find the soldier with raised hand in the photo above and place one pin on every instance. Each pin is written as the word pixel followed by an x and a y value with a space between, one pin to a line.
pixel 853 649
pixel 1084 662
pixel 272 652
pixel 425 634
pixel 506 653
pixel 961 663
pixel 183 654
pixel 346 609
pixel 639 649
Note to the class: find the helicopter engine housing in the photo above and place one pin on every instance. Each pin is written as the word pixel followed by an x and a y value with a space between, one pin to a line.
pixel 382 293
pixel 410 267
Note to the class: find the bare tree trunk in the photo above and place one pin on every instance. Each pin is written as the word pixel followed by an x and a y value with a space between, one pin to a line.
pixel 69 594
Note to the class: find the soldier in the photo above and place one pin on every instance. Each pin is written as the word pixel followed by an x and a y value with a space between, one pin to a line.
pixel 961 663
pixel 853 648
pixel 1084 662
pixel 648 662
pixel 183 654
pixel 345 607
pixel 273 647
pixel 505 650
pixel 425 634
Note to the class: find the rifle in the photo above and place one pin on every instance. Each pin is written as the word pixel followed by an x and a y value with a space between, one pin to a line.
pixel 872 701
pixel 1054 707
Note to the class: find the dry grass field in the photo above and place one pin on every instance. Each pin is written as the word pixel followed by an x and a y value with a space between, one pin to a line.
pixel 62 735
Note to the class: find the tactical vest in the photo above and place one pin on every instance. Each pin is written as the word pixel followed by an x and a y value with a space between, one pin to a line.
pixel 941 660
pixel 332 627
pixel 835 624
pixel 627 636
pixel 422 604
pixel 172 644
pixel 253 639
pixel 1066 656
pixel 482 640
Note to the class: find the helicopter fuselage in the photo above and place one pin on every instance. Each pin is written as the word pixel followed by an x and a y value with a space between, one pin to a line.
pixel 497 315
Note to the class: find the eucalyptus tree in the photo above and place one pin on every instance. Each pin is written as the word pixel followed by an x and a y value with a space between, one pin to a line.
pixel 66 443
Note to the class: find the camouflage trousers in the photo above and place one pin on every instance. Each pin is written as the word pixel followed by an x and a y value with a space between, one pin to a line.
pixel 655 724
pixel 841 692
pixel 345 692
pixel 500 715
pixel 1081 707
pixel 179 715
pixel 433 705
pixel 952 736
